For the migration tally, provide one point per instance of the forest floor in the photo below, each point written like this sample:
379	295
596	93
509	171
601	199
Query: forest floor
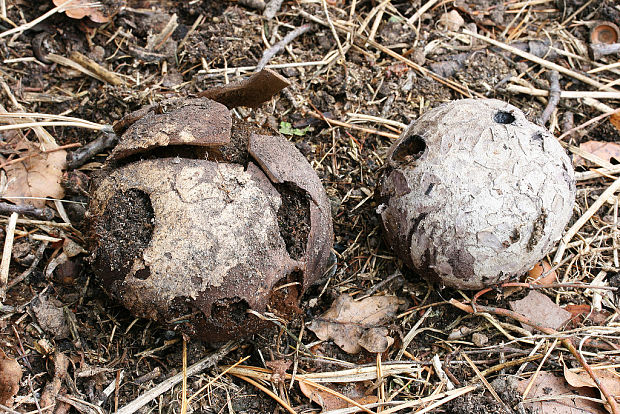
360	72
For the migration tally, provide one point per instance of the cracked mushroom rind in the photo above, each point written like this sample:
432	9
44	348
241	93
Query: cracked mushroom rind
198	243
474	193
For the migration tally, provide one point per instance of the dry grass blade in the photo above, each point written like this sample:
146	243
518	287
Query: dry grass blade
486	383
610	191
208	384
6	254
444	398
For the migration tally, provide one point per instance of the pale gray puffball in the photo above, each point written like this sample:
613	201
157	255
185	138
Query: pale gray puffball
474	193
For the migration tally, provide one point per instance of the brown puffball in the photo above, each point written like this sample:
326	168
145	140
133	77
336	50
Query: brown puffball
473	193
10	376
198	220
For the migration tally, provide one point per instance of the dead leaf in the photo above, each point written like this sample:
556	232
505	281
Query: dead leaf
540	309
84	8
615	120
583	312
376	340
10	376
608	377
604	150
547	386
279	367
535	275
38	175
328	402
50	316
347	321
451	21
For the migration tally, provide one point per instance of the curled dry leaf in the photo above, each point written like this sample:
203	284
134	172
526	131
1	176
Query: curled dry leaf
539	308
547	386
10	375
615	120
609	377
584	312
39	175
451	21
348	323
79	9
541	274
329	401
251	92
50	316
607	151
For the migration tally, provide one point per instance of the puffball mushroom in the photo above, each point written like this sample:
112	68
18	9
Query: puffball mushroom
201	221
473	193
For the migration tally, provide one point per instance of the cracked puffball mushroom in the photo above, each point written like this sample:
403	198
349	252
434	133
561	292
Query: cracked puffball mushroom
473	193
200	221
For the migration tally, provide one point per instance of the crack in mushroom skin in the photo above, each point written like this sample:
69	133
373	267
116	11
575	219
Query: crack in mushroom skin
214	244
501	192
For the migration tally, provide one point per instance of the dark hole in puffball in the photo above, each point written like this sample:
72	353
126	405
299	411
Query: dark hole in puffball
125	231
143	274
410	149
503	117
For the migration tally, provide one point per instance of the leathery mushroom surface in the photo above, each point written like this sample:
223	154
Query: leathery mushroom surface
474	193
200	220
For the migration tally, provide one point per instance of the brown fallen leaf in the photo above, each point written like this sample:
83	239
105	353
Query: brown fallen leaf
581	313
609	377
50	316
79	9
539	308
615	120
10	376
347	322
604	150
279	367
329	401
567	399
38	175
535	275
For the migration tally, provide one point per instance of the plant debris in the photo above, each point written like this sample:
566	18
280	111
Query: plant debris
538	307
10	376
354	325
35	176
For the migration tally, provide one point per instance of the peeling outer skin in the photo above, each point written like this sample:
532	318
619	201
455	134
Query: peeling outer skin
240	255
198	122
474	193
283	163
251	92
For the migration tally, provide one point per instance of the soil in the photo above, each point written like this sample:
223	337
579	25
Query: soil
294	219
212	44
